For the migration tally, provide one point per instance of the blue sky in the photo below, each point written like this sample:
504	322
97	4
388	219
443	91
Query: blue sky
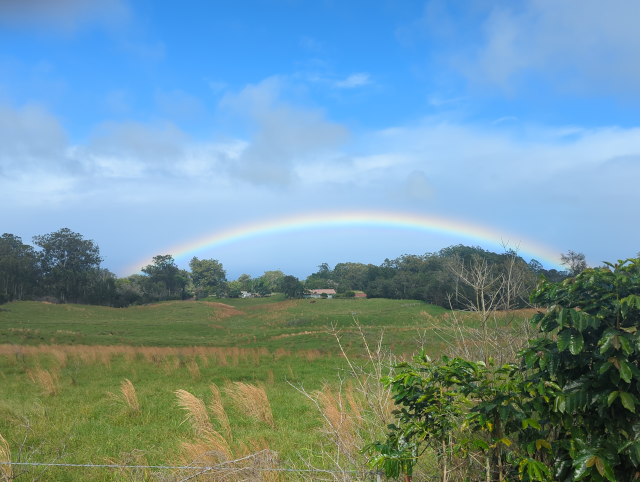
143	124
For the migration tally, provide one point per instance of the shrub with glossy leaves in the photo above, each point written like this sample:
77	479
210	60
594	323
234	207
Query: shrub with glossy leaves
589	374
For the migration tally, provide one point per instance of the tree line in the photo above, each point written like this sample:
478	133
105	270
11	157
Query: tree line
436	278
64	267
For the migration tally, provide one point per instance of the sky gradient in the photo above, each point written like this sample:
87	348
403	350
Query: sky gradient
149	125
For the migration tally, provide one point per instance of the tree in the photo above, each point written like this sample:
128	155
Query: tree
245	282
576	263
66	260
234	289
292	287
273	279
207	274
18	268
164	275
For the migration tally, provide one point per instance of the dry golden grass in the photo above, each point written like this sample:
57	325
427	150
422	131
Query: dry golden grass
270	377
211	449
217	408
6	472
47	380
337	418
128	397
252	400
193	368
90	354
196	412
105	358
60	356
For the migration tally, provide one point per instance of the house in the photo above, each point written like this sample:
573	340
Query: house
361	295
318	293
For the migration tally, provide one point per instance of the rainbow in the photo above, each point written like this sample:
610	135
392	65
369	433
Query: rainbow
388	220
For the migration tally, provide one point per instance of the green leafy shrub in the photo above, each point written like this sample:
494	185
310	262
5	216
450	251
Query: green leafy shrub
592	371
567	412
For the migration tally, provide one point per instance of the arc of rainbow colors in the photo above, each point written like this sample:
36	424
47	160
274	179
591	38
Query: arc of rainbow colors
367	219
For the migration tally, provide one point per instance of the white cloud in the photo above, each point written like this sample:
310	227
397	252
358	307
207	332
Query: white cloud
285	137
62	14
558	177
29	135
354	80
579	44
417	187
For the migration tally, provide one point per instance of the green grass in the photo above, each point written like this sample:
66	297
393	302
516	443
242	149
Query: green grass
264	322
95	428
291	335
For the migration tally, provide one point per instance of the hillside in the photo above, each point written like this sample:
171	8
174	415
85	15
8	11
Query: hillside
253	323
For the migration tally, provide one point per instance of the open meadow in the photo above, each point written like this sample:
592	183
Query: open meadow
271	323
161	384
65	373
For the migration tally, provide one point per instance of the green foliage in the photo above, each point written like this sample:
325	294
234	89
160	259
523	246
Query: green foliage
567	412
18	268
425	277
67	260
591	371
292	287
164	277
207	274
429	413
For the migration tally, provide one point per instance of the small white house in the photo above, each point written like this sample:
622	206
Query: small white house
318	293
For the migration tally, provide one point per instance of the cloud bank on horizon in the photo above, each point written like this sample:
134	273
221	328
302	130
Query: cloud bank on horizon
143	127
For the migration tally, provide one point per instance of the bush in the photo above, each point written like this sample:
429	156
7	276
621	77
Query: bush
568	408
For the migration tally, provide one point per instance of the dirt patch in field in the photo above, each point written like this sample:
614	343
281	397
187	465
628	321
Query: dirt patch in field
223	311
287	335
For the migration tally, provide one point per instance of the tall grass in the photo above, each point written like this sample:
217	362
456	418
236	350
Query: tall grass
217	408
252	400
6	472
128	397
214	455
48	381
192	366
196	412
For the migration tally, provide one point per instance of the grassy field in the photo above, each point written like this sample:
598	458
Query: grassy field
77	410
59	364
255	322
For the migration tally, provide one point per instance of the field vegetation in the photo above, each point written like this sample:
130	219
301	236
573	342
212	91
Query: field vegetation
270	323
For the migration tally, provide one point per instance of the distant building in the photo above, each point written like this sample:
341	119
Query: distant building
361	295
318	293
